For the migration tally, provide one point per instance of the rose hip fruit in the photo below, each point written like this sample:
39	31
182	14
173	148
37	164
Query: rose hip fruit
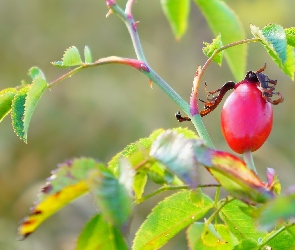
246	117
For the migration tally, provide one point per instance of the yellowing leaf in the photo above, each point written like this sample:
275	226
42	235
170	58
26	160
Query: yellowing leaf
49	206
66	184
233	174
183	156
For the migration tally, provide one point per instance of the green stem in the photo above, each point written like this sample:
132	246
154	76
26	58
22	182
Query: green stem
217	194
170	188
200	72
248	158
213	215
210	59
276	233
131	26
201	129
102	61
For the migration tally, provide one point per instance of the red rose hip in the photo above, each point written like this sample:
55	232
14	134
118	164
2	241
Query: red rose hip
246	117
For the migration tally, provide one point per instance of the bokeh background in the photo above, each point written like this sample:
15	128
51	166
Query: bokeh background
100	110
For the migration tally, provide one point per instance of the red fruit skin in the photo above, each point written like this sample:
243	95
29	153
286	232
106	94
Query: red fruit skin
246	118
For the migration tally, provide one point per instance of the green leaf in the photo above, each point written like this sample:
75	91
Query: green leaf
35	72
109	237
200	238
177	13
127	174
290	35
33	96
233	175
246	245
87	55
194	233
111	197
210	48
176	152
138	155
168	218
238	222
279	209
276	36
134	152
70	58
139	183
274	39
283	238
138	152
290	62
18	110
66	184
25	101
57	64
6	98
222	20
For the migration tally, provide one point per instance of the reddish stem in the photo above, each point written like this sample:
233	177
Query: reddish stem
110	3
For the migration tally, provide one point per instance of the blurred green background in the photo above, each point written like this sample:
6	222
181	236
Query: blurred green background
100	110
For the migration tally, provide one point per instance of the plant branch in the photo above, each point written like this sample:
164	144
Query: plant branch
139	65
213	215
276	233
200	72
169	188
152	75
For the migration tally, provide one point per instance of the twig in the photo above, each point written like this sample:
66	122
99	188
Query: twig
169	188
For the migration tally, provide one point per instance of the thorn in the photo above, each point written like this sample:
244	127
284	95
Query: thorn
134	25
109	13
151	84
144	67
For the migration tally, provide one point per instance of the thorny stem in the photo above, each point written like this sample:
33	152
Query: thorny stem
248	158
142	65
102	61
169	188
132	28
